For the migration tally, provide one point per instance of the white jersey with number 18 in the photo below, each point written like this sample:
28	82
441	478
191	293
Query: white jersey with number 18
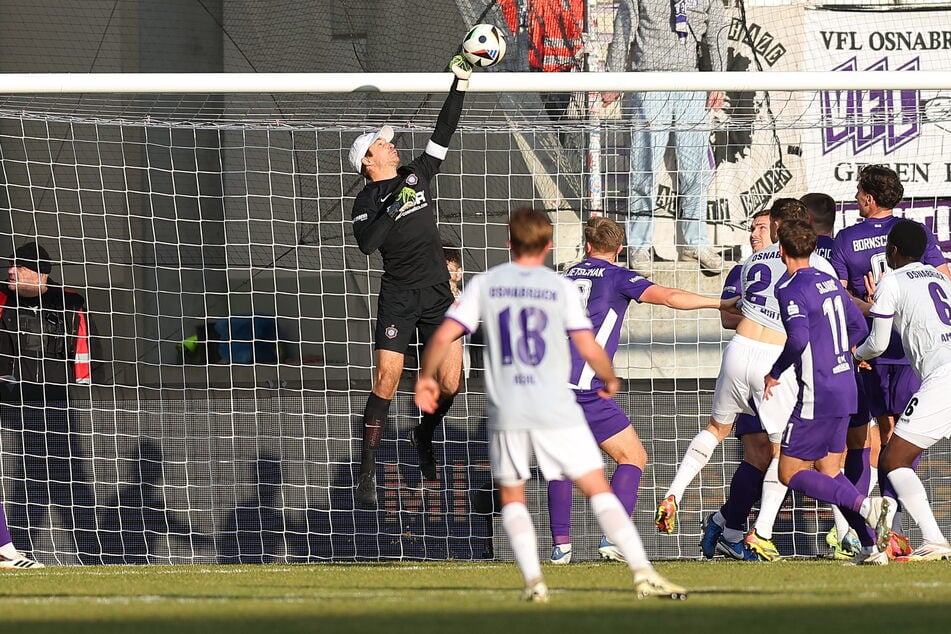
526	313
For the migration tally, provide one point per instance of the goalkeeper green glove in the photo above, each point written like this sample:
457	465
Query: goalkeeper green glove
462	69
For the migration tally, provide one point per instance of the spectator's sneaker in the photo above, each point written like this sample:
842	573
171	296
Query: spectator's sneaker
561	554
666	517
735	550
424	450
607	550
649	583
876	558
898	546
640	258
928	551
536	592
711	533
880	516
365	494
709	259
19	563
763	548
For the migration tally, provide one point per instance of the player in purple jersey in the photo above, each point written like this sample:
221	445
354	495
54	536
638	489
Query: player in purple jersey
822	326
528	313
607	289
914	300
859	251
822	210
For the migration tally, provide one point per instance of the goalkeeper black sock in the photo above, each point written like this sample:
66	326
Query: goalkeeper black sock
374	418
429	422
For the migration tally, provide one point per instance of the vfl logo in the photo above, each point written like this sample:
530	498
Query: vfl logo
391	331
412	179
869	117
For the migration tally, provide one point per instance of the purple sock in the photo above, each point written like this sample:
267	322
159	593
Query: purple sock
559	511
867	536
745	488
839	490
857	468
4	531
626	479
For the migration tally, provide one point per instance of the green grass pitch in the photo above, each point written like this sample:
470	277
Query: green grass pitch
447	597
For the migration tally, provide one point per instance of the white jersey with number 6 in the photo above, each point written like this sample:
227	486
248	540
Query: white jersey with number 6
918	298
526	313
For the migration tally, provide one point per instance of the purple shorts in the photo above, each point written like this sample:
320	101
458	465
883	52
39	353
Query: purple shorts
812	439
605	417
747	424
886	389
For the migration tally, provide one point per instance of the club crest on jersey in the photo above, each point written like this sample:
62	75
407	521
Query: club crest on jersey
412	179
391	331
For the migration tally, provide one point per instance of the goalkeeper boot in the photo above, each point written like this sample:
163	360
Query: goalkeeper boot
535	592
649	583
838	549
608	550
928	551
666	517
560	554
763	548
365	495
19	563
711	533
424	450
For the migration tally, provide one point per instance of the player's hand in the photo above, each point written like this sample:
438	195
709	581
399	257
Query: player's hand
731	306
427	394
871	282
460	67
770	383
611	387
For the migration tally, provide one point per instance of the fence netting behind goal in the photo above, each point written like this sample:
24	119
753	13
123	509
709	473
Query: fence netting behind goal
232	312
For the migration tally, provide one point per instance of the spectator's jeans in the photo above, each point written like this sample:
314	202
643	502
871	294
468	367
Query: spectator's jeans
680	118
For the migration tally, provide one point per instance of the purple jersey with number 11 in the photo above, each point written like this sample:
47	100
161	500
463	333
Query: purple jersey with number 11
606	290
822	324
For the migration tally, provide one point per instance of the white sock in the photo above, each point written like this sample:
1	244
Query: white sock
913	495
697	456
517	524
841	524
7	551
619	530
771	500
872	481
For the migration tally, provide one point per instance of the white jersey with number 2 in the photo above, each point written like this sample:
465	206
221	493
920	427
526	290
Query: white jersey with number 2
526	313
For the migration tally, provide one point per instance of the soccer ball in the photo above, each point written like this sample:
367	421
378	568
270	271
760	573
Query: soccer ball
484	45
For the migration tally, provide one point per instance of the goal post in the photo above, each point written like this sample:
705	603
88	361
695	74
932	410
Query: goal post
206	220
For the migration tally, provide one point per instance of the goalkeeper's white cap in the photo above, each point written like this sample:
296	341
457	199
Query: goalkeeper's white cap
363	142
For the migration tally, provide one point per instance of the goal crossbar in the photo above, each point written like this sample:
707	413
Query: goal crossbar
222	83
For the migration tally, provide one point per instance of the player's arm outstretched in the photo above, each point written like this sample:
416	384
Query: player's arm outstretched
679	299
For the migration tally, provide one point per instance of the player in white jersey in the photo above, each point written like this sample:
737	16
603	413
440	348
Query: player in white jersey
526	310
747	358
915	299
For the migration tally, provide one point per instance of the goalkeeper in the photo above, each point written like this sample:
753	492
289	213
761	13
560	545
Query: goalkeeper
396	214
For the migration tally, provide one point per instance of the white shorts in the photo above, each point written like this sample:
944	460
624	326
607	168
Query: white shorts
740	386
927	419
561	452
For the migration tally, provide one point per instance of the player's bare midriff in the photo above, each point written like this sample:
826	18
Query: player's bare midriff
758	332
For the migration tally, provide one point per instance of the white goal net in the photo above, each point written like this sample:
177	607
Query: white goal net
232	312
